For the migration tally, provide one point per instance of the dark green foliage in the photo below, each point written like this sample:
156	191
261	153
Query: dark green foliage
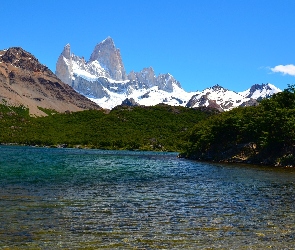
161	127
13	122
261	134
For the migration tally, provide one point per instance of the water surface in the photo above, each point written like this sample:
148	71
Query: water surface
94	199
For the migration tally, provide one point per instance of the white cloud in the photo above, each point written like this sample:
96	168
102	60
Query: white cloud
285	69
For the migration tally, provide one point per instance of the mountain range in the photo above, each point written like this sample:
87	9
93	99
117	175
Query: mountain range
101	82
103	79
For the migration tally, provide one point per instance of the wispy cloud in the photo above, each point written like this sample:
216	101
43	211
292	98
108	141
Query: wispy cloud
285	69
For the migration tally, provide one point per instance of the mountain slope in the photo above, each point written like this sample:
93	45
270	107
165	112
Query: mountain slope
25	81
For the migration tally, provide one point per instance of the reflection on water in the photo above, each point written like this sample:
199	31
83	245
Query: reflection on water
67	198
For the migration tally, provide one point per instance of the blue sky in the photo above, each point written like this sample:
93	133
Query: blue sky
233	43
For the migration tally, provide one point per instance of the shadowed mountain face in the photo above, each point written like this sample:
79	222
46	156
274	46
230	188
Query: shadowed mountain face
25	81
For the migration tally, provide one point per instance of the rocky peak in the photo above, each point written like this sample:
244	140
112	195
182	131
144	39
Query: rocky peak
109	57
129	102
107	46
146	76
20	58
67	51
149	79
217	87
259	87
166	82
148	72
259	91
64	66
132	76
203	100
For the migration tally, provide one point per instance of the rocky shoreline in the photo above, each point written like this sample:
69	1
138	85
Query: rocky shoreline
246	153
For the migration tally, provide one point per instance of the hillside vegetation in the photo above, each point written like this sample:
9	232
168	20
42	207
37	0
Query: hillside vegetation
262	134
160	127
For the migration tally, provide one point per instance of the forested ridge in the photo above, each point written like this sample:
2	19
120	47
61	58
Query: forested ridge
264	134
160	127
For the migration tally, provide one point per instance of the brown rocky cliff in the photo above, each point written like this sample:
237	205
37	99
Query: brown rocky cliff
25	81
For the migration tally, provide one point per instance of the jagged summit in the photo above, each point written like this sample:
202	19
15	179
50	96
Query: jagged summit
64	67
147	77
20	58
100	48
109	57
107	44
258	91
217	87
267	87
108	40
105	61
67	51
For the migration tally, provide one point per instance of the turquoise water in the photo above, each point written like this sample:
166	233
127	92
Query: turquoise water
94	199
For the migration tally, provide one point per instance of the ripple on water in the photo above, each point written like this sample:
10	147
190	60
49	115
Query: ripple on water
68	198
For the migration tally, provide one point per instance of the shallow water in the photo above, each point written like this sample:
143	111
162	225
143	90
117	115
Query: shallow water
94	199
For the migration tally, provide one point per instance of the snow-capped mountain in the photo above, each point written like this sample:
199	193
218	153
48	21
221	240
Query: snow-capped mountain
220	98
259	91
103	80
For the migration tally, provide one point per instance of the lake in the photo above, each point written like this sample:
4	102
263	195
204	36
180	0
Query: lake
94	199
